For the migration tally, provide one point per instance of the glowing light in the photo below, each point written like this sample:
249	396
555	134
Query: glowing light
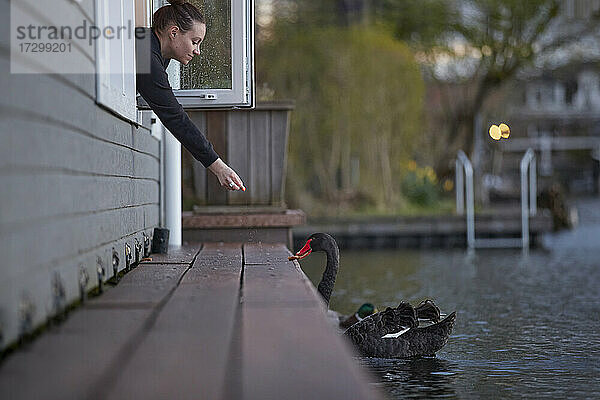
504	131
495	132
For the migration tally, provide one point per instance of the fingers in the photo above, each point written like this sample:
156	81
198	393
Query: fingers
233	182
226	176
231	185
237	181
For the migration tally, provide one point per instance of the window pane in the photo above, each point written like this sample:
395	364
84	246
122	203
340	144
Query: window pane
212	68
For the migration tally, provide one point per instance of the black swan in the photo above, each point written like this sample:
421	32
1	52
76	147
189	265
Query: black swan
392	333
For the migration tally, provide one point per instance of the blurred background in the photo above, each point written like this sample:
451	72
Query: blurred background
387	91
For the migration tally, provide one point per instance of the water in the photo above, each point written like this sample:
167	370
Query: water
527	326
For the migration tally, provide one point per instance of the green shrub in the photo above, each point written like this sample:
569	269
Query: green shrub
420	185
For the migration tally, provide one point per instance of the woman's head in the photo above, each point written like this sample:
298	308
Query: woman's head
181	27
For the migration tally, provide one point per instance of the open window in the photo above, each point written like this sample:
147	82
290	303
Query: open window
115	56
223	75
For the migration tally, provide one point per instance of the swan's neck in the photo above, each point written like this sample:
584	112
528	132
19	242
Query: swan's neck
328	280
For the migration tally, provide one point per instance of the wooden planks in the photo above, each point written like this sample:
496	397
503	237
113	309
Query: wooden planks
244	218
81	357
67	362
144	287
270	280
70	235
260	157
303	361
36	145
199	172
288	349
176	255
185	354
238	152
280	129
78	195
216	133
172	330
254	143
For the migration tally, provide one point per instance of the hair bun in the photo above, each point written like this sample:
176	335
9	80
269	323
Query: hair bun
181	13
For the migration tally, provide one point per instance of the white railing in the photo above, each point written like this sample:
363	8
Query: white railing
528	201
463	164
528	207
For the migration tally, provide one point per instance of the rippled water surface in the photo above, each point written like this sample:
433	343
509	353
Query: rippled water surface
527	326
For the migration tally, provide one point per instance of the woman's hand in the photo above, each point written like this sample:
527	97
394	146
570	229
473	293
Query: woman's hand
226	176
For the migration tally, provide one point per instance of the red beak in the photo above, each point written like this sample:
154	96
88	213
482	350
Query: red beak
304	251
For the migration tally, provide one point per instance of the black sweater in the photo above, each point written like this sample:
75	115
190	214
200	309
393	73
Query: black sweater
154	87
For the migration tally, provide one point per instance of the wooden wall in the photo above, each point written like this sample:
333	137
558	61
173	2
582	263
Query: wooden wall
77	182
254	144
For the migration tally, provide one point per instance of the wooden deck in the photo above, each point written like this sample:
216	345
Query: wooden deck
219	321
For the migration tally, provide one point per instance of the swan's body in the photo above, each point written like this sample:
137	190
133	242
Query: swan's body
395	336
392	333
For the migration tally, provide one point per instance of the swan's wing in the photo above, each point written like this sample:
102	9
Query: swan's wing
410	343
428	340
382	323
428	310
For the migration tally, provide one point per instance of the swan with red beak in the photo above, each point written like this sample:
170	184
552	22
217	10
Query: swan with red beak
392	333
303	252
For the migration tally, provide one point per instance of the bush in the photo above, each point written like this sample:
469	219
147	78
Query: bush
420	185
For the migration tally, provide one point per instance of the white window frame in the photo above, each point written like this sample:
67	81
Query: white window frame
145	12
242	92
115	59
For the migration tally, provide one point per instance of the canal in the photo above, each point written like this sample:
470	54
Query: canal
527	326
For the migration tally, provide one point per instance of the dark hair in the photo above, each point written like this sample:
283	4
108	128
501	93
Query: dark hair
180	13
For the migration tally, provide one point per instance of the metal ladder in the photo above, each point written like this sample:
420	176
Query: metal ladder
528	202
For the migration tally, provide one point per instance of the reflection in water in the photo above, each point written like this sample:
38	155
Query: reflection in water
527	326
420	377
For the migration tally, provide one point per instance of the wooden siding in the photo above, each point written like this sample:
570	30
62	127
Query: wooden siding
78	182
254	144
65	13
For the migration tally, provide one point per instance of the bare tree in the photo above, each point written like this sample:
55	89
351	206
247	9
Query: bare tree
481	45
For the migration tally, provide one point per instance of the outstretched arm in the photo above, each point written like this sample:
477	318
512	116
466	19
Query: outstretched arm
156	90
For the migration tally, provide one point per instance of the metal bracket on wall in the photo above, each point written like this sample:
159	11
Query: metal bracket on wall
100	273
115	265
84	279
138	250
58	295
146	245
26	311
128	257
